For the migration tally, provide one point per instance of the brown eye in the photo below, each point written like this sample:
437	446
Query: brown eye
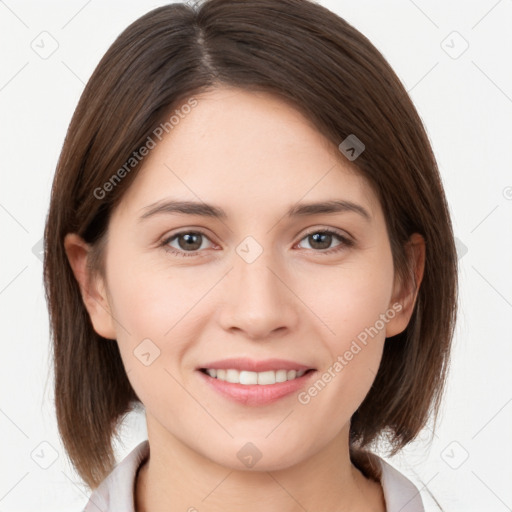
320	240
188	242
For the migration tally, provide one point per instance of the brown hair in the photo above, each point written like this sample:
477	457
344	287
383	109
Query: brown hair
332	73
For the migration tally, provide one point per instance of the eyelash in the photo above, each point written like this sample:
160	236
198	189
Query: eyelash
345	242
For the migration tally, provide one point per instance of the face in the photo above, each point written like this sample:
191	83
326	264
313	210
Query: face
237	276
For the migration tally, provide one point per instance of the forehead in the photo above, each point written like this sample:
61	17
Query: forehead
249	151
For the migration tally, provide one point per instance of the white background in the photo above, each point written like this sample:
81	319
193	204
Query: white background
465	101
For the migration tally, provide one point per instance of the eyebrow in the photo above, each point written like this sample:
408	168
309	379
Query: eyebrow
208	210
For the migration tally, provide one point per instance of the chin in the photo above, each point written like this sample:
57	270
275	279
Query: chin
260	456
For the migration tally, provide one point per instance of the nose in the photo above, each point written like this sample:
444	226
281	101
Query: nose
259	299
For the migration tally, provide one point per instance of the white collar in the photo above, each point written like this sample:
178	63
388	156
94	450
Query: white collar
400	494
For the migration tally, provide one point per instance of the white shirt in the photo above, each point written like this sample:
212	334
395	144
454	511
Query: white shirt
116	492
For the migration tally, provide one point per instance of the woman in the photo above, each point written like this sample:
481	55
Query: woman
247	235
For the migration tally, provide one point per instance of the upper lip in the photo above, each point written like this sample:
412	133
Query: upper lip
251	365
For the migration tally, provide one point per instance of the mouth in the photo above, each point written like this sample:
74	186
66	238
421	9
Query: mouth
255	383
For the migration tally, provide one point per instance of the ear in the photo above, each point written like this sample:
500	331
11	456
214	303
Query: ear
405	293
92	288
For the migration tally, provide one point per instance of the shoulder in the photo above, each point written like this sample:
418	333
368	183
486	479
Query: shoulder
116	491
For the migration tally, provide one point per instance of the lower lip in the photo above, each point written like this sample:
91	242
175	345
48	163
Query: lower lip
255	394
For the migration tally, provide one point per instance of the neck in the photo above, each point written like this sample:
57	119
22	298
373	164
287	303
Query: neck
176	478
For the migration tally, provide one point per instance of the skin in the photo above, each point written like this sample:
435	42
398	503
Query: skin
253	155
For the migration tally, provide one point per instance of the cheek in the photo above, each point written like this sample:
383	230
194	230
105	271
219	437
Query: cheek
353	300
153	331
354	355
151	311
151	301
356	309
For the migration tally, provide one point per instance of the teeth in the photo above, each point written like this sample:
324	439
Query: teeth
248	378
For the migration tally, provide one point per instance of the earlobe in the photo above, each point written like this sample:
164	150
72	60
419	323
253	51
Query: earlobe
92	287
405	292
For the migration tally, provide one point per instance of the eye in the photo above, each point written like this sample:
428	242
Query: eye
188	242
322	238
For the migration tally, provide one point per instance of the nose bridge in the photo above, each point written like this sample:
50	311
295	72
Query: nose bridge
257	302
